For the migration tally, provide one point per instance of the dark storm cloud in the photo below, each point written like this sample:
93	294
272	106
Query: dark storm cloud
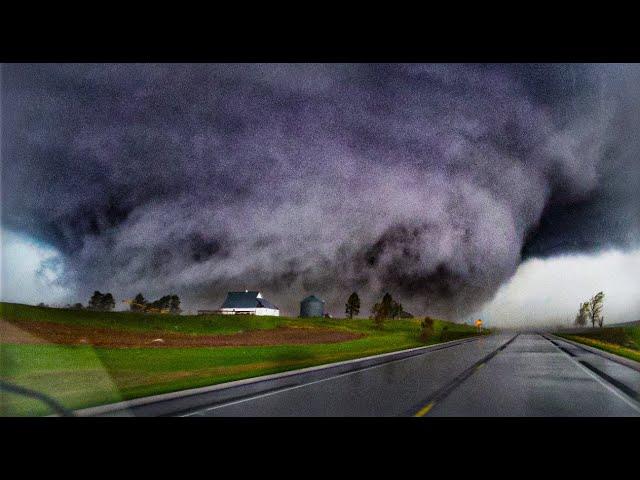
429	181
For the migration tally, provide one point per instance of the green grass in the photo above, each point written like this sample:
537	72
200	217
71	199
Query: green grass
623	341
83	376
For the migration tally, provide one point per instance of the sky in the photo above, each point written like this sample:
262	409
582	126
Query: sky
29	271
544	292
463	190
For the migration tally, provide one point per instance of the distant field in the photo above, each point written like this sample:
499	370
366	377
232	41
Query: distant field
624	341
83	358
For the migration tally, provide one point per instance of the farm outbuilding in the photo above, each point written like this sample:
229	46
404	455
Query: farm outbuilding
312	306
245	303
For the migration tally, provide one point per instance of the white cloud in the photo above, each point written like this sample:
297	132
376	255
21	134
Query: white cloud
548	291
29	271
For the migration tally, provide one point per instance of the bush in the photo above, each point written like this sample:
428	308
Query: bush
444	334
426	329
378	321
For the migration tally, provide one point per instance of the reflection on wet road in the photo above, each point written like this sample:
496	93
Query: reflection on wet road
533	377
499	375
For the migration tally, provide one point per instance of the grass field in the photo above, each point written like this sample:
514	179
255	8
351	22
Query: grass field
623	341
80	375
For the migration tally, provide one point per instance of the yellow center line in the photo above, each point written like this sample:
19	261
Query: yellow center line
423	411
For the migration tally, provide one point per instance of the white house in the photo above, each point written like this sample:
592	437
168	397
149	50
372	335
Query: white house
247	303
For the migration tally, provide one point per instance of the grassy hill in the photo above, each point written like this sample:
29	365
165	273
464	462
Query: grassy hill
622	340
83	358
195	324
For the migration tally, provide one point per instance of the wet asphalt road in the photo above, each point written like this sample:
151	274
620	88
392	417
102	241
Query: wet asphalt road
500	375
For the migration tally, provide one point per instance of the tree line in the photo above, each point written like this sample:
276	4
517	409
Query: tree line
382	310
166	304
104	302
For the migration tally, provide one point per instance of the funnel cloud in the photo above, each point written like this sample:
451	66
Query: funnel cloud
432	182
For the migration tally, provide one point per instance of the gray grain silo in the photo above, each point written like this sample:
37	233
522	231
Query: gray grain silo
312	306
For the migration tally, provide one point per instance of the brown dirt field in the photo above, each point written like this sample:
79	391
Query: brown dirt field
47	332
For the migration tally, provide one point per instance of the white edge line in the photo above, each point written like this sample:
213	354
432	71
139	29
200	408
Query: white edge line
124	405
268	394
286	389
629	401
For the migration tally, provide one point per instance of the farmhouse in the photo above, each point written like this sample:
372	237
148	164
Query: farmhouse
246	303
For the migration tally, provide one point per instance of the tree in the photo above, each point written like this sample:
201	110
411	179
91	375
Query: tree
108	303
353	305
174	304
378	317
165	304
95	302
387	308
396	309
77	306
102	302
583	314
161	304
139	303
595	309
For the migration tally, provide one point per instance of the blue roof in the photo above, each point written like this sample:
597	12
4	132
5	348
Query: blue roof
246	300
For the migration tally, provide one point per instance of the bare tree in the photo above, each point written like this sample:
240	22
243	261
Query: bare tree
595	309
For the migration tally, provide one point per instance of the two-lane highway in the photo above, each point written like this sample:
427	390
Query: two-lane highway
389	389
508	374
499	375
